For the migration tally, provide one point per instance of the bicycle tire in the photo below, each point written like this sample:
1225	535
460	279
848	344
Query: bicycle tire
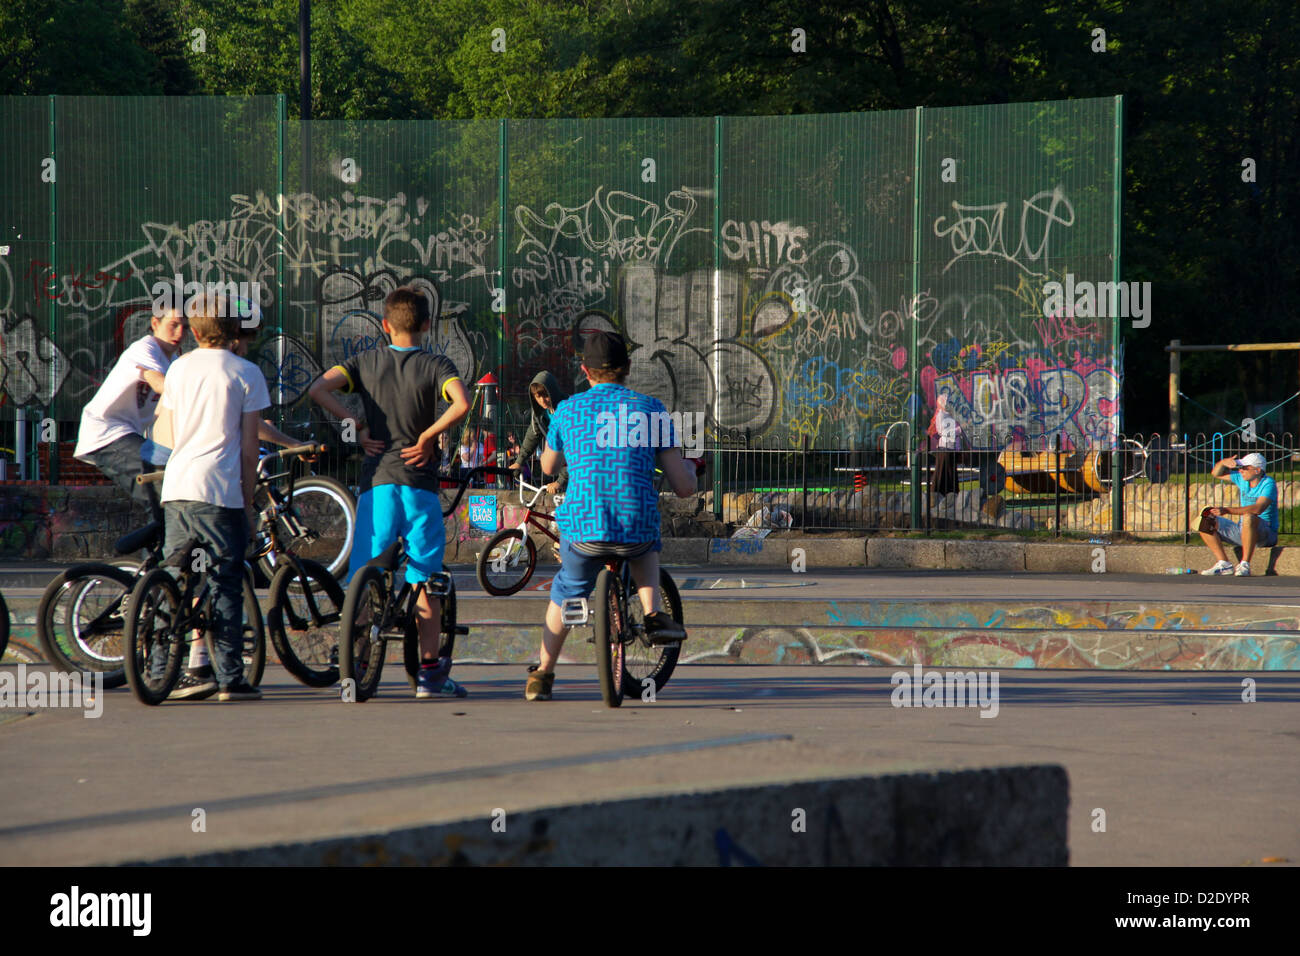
643	660
508	581
327	507
154	599
94	642
608	627
361	651
411	640
308	650
4	626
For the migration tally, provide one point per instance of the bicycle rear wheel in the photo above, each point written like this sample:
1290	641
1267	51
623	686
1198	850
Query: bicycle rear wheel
306	640
643	661
361	641
506	562
608	625
152	644
4	626
326	508
80	620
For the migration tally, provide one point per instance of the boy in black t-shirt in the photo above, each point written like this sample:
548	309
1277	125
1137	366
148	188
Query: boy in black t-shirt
401	387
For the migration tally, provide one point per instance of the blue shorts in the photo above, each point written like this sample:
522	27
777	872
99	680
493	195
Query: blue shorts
577	574
1230	531
388	512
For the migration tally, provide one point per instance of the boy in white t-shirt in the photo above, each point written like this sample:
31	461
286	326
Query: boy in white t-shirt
114	422
216	400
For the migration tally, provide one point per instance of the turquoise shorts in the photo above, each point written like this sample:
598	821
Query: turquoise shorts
388	512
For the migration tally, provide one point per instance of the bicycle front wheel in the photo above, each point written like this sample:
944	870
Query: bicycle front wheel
152	642
507	562
80	620
609	623
361	640
645	664
326	508
304	622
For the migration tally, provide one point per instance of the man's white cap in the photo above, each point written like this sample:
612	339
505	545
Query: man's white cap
1254	460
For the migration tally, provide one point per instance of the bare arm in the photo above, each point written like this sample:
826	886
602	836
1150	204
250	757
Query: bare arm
680	474
162	428
1222	467
248	426
153	379
268	432
321	393
552	460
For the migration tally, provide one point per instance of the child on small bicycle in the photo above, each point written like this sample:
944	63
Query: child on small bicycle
401	387
610	497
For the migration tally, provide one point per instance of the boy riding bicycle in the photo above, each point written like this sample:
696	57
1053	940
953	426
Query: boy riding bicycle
400	387
610	499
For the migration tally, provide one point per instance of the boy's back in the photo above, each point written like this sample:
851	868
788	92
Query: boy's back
208	392
401	390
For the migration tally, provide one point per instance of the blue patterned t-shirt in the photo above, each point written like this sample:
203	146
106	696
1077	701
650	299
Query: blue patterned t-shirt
611	462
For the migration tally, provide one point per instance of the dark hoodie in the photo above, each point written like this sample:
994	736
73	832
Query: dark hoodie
535	439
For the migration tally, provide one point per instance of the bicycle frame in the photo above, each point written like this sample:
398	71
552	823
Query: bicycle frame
532	516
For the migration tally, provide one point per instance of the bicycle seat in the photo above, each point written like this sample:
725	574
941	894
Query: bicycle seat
390	559
184	554
145	537
612	549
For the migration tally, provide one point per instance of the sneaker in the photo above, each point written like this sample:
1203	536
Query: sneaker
1243	570
240	690
432	681
539	684
1221	567
662	629
196	683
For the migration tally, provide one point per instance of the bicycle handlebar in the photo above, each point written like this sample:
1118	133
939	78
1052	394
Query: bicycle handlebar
150	478
311	448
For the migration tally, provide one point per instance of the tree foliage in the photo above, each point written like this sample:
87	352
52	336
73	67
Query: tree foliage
1206	85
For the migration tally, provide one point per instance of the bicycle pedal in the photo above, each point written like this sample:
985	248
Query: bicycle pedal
439	584
574	612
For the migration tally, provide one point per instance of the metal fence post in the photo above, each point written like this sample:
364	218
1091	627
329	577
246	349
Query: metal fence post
804	481
1187	490
1058	484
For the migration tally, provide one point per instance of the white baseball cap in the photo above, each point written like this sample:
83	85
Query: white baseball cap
1253	460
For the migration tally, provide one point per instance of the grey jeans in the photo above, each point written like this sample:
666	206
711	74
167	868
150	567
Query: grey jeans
223	533
120	462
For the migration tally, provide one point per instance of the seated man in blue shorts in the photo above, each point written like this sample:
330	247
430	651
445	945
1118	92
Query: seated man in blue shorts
1258	511
610	497
400	387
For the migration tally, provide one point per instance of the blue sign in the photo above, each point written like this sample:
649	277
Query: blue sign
483	513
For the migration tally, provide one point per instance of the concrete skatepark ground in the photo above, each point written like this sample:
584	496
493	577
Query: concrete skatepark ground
1186	772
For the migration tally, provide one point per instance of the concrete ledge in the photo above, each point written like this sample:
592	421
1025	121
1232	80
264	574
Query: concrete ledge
904	553
1060	558
754	552
1003	816
984	555
684	551
828	552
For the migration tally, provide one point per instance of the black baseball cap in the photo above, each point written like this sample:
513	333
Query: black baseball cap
604	350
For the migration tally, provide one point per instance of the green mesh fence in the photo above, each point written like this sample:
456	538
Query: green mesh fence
809	279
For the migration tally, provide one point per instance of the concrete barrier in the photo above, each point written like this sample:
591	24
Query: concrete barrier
1002	816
